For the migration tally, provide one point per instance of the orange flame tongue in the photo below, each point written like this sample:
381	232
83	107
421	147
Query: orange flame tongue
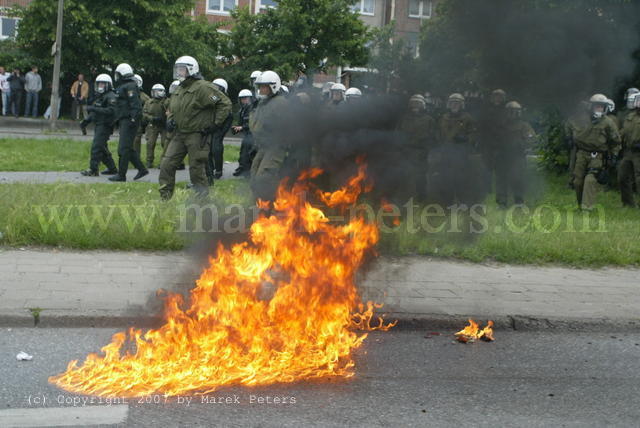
473	332
232	333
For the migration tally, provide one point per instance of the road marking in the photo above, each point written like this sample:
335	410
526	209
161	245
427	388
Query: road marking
64	416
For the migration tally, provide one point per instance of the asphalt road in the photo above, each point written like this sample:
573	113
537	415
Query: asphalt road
402	379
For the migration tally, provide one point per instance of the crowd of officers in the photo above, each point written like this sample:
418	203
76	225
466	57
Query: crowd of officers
452	152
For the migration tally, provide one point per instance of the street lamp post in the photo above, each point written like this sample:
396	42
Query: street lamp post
57	52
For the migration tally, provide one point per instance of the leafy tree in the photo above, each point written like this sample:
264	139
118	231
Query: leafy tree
296	36
97	36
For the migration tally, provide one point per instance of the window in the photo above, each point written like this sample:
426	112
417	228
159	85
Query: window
267	3
364	7
220	6
420	8
8	27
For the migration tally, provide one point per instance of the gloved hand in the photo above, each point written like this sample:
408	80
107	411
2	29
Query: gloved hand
83	124
171	125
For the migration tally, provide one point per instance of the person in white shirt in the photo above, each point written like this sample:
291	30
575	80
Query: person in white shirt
5	90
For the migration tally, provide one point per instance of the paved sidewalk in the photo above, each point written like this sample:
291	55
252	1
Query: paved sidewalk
76	177
95	285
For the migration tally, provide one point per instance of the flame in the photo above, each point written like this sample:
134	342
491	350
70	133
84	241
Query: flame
472	332
279	308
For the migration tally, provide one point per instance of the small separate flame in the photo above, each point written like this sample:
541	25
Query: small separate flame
472	332
281	307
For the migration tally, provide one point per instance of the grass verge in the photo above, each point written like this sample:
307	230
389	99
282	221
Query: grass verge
56	154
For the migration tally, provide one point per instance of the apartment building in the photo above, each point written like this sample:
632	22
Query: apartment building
408	15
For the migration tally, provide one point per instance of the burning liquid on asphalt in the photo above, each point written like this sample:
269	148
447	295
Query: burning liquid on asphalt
229	332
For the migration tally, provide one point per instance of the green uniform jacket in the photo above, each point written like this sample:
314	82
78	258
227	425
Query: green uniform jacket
631	130
419	130
600	135
154	111
198	106
265	120
104	108
519	135
128	105
457	128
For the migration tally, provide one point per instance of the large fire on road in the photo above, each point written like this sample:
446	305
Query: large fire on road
228	333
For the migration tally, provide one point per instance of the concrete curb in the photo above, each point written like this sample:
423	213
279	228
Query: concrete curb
429	322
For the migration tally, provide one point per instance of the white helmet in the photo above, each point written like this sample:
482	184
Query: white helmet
184	67
596	101
633	101
174	85
285	90
338	87
631	91
255	74
103	78
123	71
158	91
270	78
138	80
353	93
222	84
245	93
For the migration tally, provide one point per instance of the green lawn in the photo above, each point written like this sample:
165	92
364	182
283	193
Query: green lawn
24	154
131	216
552	230
120	216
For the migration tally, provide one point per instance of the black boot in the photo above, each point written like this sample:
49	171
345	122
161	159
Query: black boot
141	173
117	177
110	171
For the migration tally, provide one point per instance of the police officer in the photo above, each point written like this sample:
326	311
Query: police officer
337	96
215	162
491	130
453	175
128	115
353	96
252	80
630	165
511	158
247	151
264	122
326	91
101	113
196	110
144	98
154	113
596	144
418	131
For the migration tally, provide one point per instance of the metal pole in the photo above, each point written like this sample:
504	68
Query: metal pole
55	85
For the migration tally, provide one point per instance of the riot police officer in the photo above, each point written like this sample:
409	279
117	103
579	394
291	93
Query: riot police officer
128	114
101	113
154	113
630	165
265	121
596	145
196	110
247	151
215	162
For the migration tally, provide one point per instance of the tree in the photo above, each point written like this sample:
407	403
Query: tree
296	36
97	36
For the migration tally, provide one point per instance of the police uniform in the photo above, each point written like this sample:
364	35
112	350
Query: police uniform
102	113
154	114
247	150
418	131
128	114
511	161
137	142
196	108
630	165
265	121
593	144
